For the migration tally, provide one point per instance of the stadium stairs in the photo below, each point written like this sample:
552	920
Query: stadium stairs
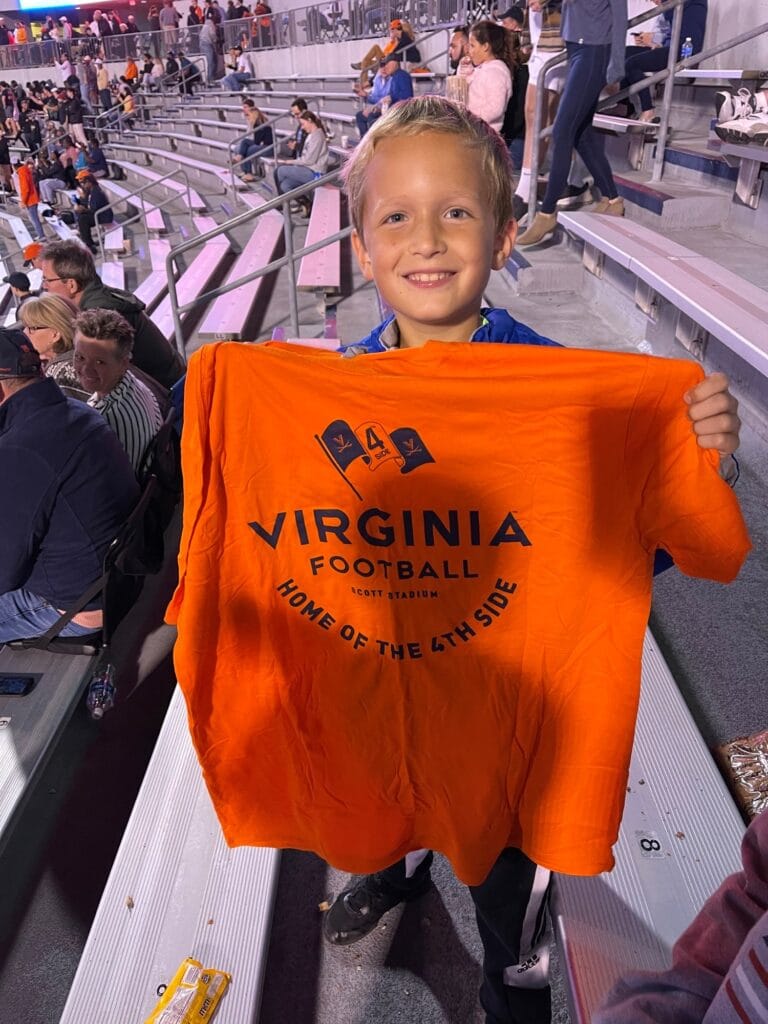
581	288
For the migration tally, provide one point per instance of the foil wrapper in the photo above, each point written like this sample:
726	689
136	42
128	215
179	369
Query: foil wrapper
745	763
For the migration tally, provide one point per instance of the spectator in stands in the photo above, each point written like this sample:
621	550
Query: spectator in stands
131	73
169	23
312	163
127	105
590	66
20	34
194	17
544	18
72	488
189	76
29	127
103	347
20	287
153	17
91	208
259	144
60	175
293	147
390	86
489	66
74	114
719	972
513	19
28	195
97	162
102	85
171	69
376	54
31	254
209	47
458	47
49	323
656	58
239	70
6	171
5	33
69	270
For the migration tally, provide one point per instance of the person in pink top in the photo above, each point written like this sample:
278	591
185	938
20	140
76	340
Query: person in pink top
488	68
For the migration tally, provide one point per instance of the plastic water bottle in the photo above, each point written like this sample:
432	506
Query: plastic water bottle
686	50
101	692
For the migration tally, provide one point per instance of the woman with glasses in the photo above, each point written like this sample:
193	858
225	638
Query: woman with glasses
49	323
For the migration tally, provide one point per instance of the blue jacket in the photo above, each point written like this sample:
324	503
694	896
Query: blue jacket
67	488
402	86
497	326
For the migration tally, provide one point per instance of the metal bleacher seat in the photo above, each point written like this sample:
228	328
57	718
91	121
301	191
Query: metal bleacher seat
231	315
202	270
708	300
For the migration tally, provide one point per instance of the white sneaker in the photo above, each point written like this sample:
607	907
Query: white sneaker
730	107
743	130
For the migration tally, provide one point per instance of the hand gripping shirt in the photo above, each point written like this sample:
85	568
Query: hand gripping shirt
414	587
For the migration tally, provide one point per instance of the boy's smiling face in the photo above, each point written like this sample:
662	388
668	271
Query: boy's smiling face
428	237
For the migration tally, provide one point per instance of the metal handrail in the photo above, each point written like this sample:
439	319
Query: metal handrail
667	75
288	260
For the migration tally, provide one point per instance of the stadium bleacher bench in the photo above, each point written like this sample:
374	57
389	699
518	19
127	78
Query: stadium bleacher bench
18	227
203	269
231	315
30	725
711	300
178	188
154	216
749	158
680	837
112	274
114	238
175	890
320	271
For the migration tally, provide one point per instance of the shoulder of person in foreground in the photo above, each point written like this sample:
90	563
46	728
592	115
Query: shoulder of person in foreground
719	972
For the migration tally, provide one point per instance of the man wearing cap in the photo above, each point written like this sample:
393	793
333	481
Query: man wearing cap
91	208
69	270
68	487
20	287
391	85
238	68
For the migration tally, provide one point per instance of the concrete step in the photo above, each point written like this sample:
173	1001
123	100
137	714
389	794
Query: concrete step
671	205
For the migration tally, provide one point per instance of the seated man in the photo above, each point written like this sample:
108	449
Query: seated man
67	486
91	208
238	70
391	85
103	347
69	270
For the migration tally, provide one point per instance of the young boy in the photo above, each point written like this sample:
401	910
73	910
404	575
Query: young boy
430	198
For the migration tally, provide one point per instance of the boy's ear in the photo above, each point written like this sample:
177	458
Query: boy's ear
363	259
504	244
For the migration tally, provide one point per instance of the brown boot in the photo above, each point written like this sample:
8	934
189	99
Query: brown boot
542	227
613	207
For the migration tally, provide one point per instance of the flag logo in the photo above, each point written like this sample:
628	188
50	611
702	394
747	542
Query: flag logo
374	446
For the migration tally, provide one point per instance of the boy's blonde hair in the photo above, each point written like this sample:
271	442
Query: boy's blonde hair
435	114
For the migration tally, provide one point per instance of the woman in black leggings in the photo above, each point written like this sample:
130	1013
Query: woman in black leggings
594	32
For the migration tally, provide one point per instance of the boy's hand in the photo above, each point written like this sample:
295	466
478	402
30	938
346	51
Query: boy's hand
712	409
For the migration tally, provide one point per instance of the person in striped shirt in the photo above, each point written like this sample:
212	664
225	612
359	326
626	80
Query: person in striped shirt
103	348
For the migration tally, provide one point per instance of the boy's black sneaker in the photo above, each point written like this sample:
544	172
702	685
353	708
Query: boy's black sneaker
357	910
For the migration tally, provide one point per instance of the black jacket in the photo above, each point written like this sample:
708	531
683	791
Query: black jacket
152	353
72	486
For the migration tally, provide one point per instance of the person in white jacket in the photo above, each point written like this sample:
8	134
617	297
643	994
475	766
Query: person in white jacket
488	69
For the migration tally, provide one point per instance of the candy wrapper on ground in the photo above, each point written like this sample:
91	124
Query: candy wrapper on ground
192	996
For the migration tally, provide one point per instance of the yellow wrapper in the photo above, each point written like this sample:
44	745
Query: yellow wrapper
192	996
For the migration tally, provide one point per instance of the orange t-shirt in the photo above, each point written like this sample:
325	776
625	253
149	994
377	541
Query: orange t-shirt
414	588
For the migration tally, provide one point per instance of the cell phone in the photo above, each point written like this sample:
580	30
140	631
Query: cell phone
17	686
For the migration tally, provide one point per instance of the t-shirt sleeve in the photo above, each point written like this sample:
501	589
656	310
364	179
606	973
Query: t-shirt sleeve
684	506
